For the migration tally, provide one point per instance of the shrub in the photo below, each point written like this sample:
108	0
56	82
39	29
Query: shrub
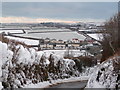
83	61
111	37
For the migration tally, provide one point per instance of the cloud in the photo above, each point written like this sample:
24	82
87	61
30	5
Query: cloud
60	0
59	10
40	20
31	20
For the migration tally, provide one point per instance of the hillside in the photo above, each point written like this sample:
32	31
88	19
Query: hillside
106	75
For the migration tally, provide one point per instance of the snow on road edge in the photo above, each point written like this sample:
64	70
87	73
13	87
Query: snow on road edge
46	84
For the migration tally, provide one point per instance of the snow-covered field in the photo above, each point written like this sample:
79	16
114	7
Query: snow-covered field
11	31
26	41
45	30
96	36
55	35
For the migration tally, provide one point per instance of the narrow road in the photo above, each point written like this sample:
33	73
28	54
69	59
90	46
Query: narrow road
71	85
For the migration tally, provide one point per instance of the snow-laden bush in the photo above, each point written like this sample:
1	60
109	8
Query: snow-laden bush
88	71
25	55
1	47
62	68
22	65
106	75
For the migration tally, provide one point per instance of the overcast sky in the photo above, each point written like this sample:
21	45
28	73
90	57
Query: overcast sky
72	11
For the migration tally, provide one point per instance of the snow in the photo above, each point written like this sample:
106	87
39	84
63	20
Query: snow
1	86
39	85
69	62
25	56
55	35
61	53
18	63
96	36
88	71
105	75
45	30
47	84
11	31
5	54
3	47
26	41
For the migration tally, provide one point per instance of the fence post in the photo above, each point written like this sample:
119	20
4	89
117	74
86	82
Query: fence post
39	48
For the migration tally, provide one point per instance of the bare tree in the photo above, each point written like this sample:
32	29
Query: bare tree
111	37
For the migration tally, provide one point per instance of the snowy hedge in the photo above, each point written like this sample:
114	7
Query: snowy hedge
22	65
